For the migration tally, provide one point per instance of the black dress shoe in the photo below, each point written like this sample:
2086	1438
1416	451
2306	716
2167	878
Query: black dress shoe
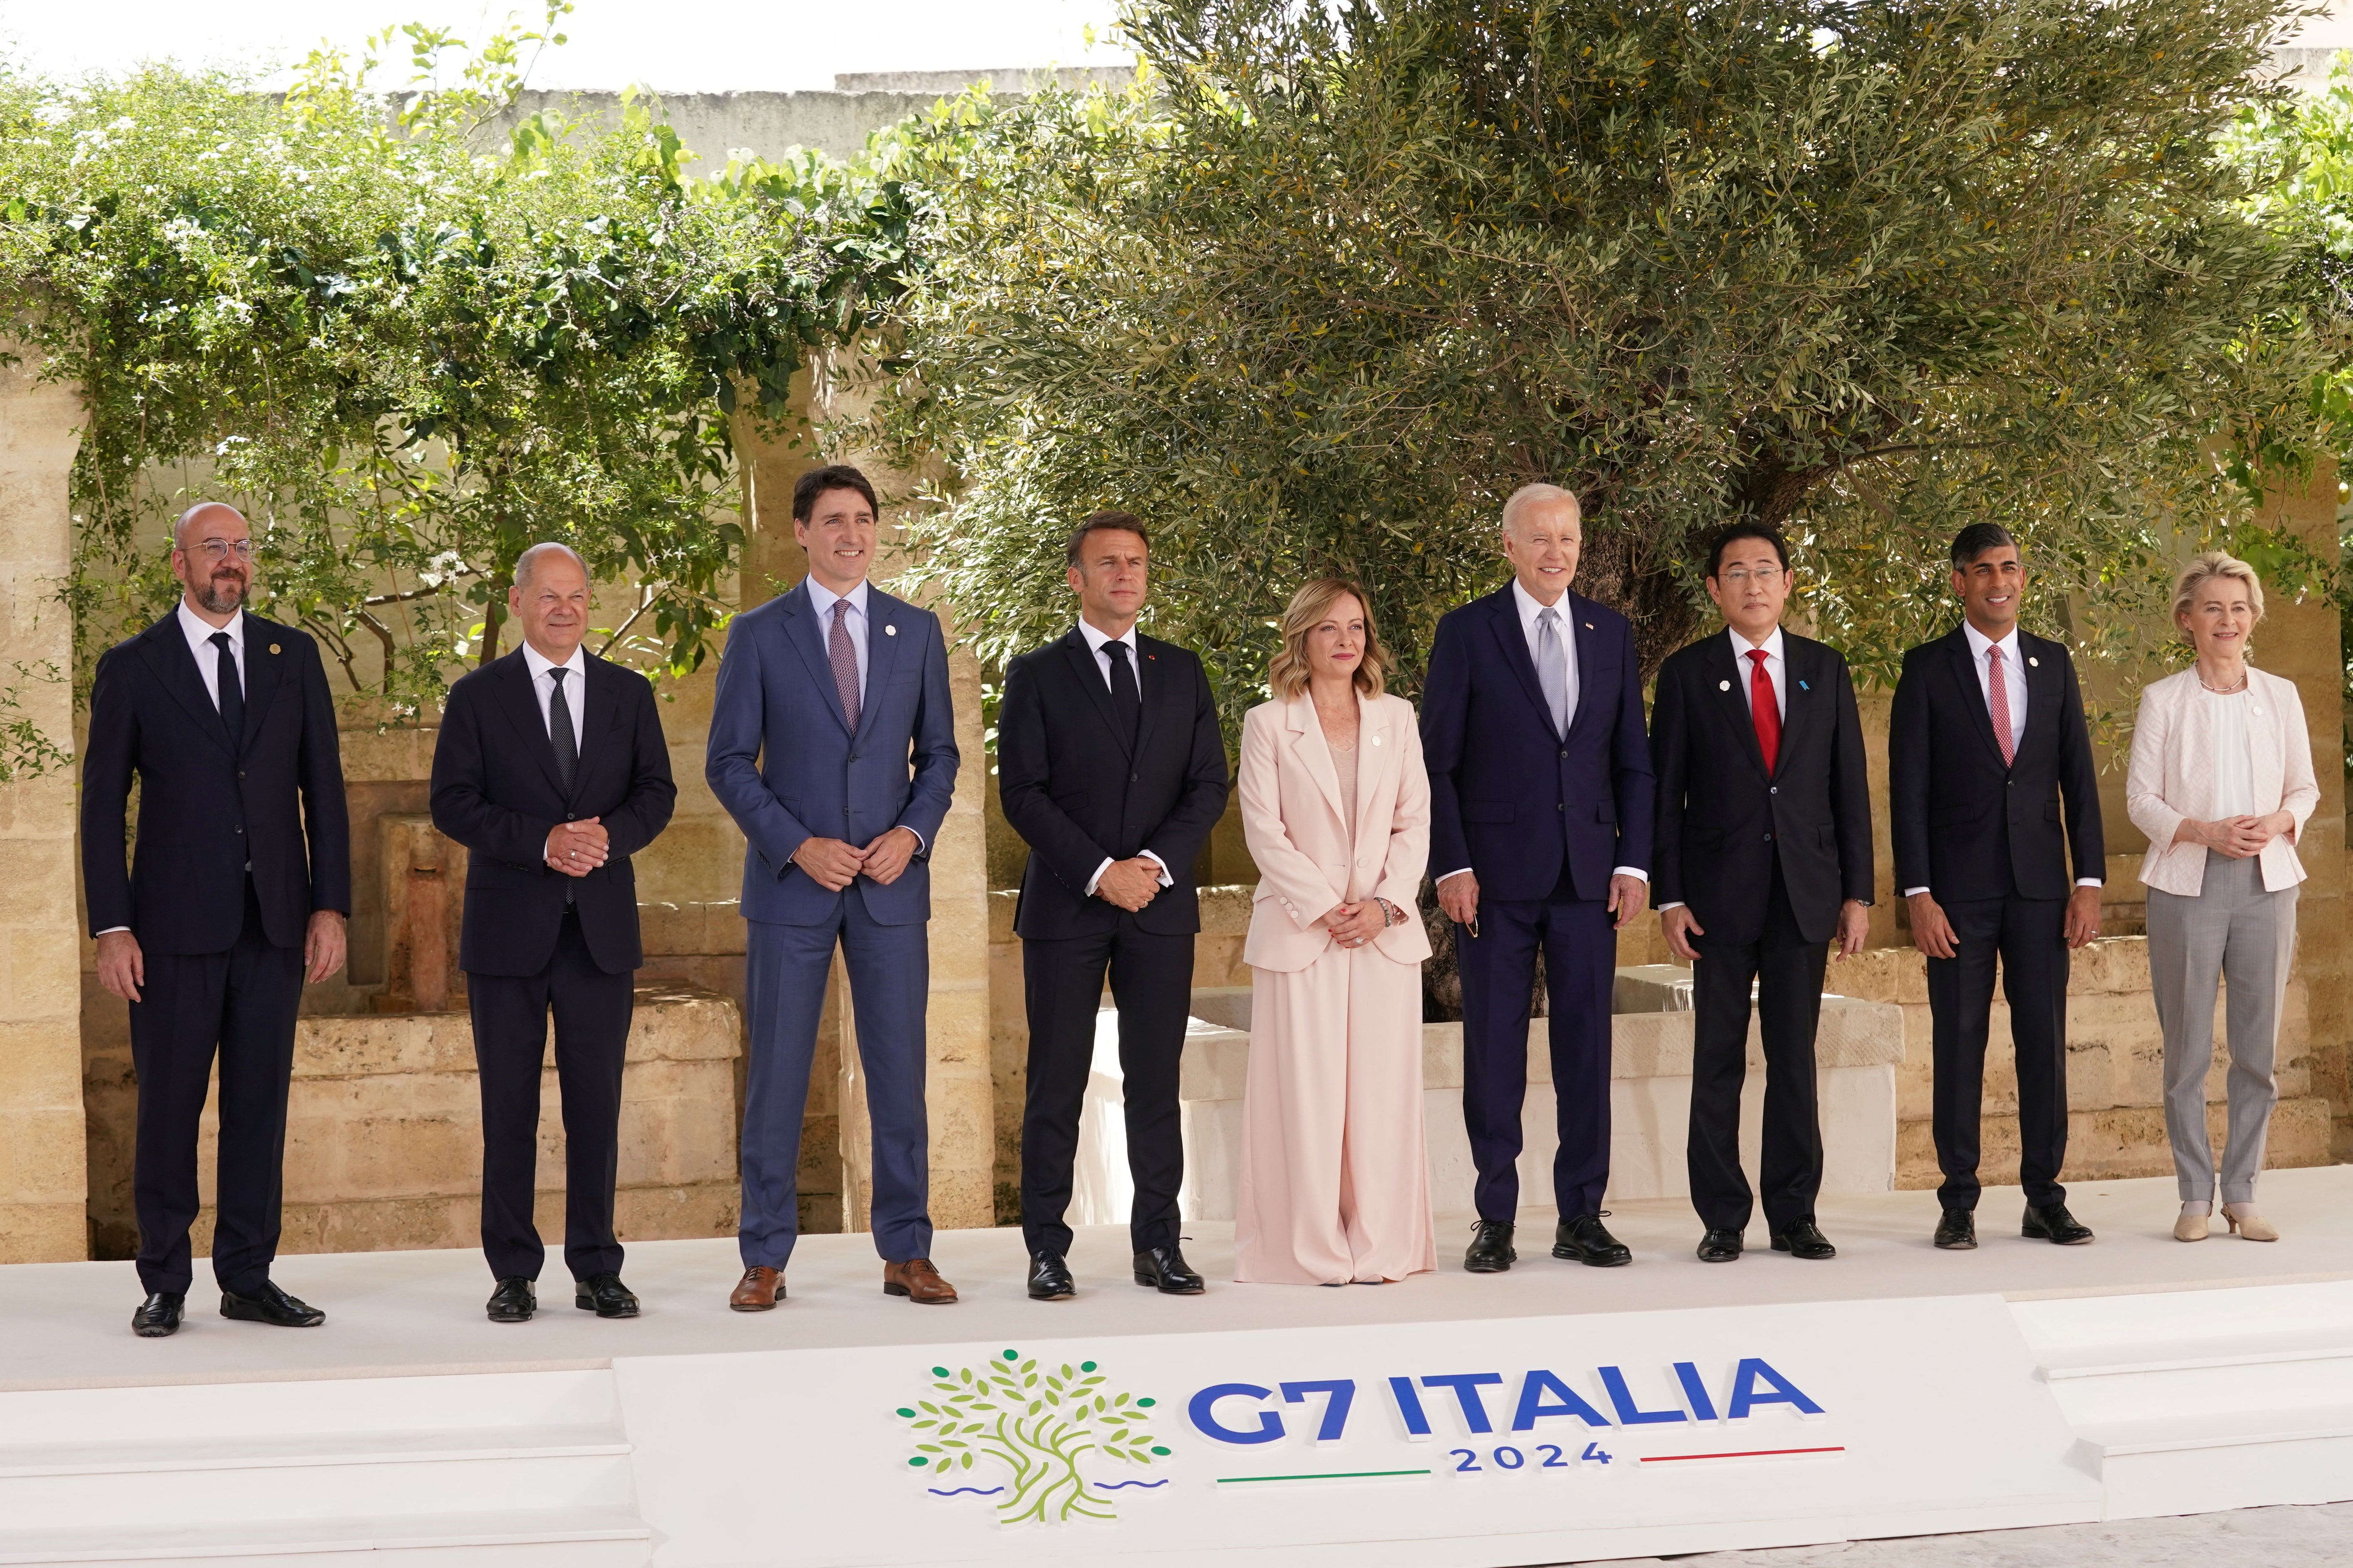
158	1316
1050	1278
272	1305
605	1295
1720	1245
1587	1240
1804	1240
1957	1231
1490	1250
513	1301
1165	1269
2051	1222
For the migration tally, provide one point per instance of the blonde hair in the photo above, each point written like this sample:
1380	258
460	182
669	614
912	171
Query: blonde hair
1286	675
1527	495
2215	563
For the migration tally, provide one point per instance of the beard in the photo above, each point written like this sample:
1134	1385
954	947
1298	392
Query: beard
222	592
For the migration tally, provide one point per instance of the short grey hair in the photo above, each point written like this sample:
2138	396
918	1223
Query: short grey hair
528	562
1527	495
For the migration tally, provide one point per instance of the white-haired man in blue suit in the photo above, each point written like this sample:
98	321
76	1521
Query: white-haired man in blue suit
833	746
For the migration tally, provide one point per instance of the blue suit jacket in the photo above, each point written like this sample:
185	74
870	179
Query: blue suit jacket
1509	798
784	763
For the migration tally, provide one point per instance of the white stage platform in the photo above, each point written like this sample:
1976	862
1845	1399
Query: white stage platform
1896	1390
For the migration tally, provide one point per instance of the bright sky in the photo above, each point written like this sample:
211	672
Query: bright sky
702	45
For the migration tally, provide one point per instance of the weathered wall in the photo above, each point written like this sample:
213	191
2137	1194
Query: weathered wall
42	1217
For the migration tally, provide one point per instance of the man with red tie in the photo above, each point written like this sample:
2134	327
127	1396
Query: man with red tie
1989	758
1763	856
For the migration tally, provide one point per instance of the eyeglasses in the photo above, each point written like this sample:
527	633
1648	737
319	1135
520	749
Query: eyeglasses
222	549
1741	576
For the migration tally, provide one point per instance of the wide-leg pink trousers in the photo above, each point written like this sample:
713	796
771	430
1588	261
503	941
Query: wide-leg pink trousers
1334	1178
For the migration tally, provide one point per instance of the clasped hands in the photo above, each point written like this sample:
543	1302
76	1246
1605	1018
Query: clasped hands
833	863
1130	884
2237	837
1353	925
577	848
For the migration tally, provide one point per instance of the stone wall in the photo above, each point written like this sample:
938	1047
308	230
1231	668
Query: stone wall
42	1217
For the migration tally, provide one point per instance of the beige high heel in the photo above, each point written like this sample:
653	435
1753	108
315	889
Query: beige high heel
2251	1225
2191	1228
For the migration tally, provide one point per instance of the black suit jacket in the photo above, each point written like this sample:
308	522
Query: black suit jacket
495	792
1079	793
208	807
1508	798
1966	826
1722	820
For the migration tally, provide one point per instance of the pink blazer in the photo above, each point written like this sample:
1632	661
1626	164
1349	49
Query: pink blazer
1291	818
2172	776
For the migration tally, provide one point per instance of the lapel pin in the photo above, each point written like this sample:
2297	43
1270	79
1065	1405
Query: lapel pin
273	648
1376	739
889	631
2036	663
1724	686
1803	687
1588	626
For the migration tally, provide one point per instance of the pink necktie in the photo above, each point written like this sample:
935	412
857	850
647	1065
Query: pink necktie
844	660
1998	699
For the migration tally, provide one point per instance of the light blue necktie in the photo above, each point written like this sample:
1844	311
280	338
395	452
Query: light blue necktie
1552	669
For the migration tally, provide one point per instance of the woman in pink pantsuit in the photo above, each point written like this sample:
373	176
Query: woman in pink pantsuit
1335	806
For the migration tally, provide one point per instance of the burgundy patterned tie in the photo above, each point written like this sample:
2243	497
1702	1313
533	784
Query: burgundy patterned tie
844	660
1998	699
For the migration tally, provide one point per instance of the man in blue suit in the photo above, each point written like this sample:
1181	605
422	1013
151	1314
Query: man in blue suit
833	746
1541	798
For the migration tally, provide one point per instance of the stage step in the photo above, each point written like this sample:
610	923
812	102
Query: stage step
2250	1459
492	1470
507	1538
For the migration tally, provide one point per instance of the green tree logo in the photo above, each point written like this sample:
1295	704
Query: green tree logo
1041	1426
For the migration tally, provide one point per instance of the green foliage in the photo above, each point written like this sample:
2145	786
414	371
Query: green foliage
1335	280
1036	1424
408	354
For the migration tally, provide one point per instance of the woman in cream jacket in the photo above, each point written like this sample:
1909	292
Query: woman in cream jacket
2222	782
1335	807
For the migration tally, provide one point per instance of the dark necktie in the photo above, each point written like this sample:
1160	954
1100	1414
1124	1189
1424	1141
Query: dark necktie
228	692
1127	701
559	730
844	657
1765	711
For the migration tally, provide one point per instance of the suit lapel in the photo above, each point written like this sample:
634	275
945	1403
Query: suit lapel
1149	686
1588	640
1090	681
884	633
264	665
804	630
167	654
511	676
1512	641
1799	676
1973	697
1724	672
1307	744
2042	692
600	716
1374	747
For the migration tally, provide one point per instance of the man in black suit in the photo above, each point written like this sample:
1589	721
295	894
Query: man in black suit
1988	755
552	771
1111	765
241	883
1764	856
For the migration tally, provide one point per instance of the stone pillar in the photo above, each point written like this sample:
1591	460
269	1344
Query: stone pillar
44	1216
2304	642
959	1093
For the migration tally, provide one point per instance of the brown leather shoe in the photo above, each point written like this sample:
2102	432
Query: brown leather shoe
918	1281
758	1292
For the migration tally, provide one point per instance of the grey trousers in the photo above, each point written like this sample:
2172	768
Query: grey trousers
2233	930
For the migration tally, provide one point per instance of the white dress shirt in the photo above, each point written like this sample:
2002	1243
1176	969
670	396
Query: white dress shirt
1530	608
1776	670
199	633
2013	687
1095	641
2232	757
543	685
822	600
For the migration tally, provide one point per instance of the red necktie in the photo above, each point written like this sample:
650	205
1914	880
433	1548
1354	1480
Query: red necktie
1998	704
1764	710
